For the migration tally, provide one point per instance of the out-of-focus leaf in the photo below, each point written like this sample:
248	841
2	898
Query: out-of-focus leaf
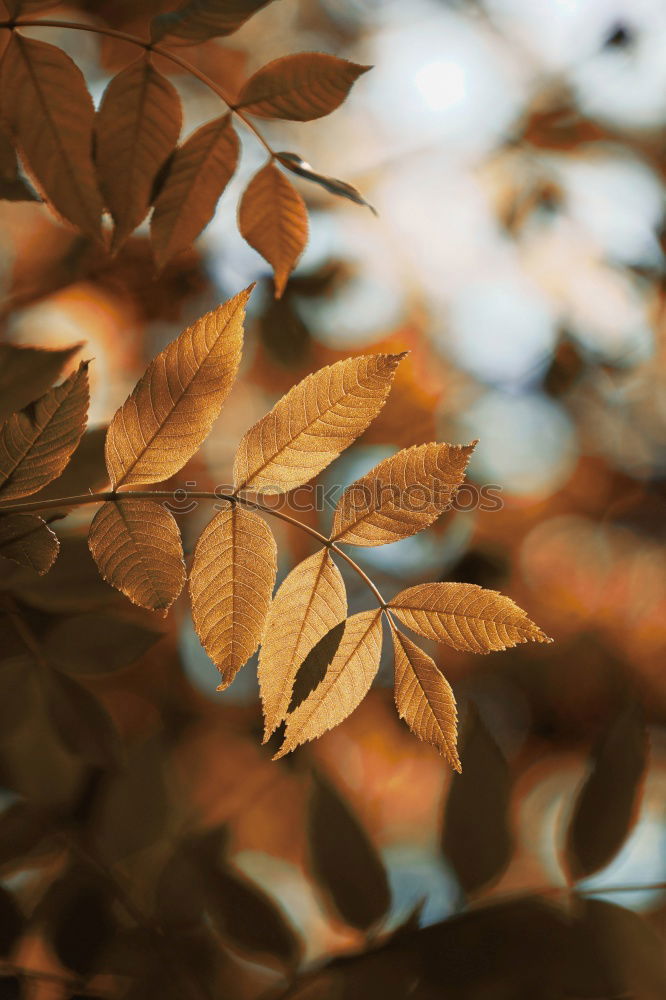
18	7
37	443
607	803
27	373
299	87
22	828
12	186
17	693
47	107
27	540
293	162
76	912
73	585
199	20
11	922
272	217
344	860
137	128
138	550
198	174
85	470
81	722
98	644
476	839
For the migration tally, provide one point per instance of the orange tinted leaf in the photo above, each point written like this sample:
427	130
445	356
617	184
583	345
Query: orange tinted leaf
308	604
172	407
27	372
299	87
201	19
231	582
401	495
47	107
136	545
273	219
313	423
293	162
465	616
346	683
29	541
36	444
137	128
424	698
198	174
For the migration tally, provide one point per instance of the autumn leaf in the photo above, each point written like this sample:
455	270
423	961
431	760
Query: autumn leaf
27	372
37	442
198	174
297	165
28	540
172	407
310	602
48	109
12	186
273	219
231	582
465	616
313	423
80	720
346	683
199	20
424	698
401	495
137	129
137	547
299	87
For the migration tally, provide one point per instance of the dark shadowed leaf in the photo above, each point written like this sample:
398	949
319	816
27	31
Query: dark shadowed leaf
28	541
23	827
299	87
476	839
201	19
27	372
81	722
11	988
12	186
293	162
11	921
85	470
77	914
17	693
344	860
313	668
607	803
98	644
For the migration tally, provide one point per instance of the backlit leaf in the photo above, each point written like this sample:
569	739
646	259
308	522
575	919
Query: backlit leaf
297	165
424	698
138	124
137	547
313	668
47	107
299	87
27	540
36	444
12	186
467	617
401	495
86	470
172	407
346	683
27	372
607	803
231	582
198	174
313	423
308	604
273	219
201	19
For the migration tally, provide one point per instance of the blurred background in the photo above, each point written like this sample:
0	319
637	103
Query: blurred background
516	155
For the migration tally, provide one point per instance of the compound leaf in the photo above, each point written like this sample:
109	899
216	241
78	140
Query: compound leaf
28	540
299	87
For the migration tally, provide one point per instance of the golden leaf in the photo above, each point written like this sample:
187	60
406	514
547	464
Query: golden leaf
344	686
424	698
47	107
310	602
37	443
273	219
199	20
402	495
138	124
197	176
231	582
313	423
27	540
299	87
27	372
465	616
137	547
172	407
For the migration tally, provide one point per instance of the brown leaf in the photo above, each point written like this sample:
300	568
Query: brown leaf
27	540
310	602
48	109
80	720
313	423
37	443
299	87
137	547
18	7
198	174
172	407
137	127
12	186
97	643
424	698
402	495
346	683
199	20
297	165
231	582
86	470
273	219
607	804
467	617
27	372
